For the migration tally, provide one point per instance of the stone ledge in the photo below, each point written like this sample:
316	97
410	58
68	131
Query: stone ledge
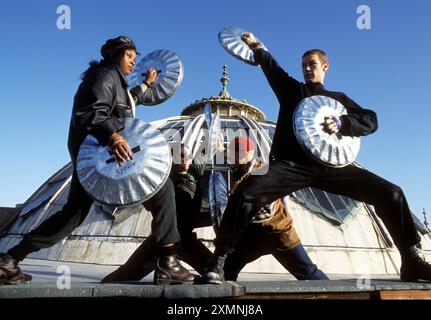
129	290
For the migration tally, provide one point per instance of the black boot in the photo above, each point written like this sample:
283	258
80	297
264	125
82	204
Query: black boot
170	271
413	266
10	273
214	274
168	268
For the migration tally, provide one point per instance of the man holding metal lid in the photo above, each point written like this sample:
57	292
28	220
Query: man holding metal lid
291	168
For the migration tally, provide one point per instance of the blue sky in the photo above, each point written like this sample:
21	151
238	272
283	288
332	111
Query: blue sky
386	68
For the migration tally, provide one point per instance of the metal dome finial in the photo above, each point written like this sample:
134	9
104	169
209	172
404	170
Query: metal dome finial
224	81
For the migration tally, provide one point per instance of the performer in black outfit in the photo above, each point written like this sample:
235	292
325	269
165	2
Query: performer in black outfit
292	169
100	105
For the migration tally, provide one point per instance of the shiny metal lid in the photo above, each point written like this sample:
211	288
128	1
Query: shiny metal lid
170	75
134	181
330	149
218	197
230	39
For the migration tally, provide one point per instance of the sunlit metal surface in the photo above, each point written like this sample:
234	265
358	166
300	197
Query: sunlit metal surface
208	115
170	75
330	149
133	181
49	190
230	39
218	197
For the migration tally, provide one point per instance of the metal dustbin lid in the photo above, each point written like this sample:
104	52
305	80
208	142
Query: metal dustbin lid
134	181
230	39
330	149
170	75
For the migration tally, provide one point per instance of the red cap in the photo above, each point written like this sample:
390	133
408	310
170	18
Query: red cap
243	143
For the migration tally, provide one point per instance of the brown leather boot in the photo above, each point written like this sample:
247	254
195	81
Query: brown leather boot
10	273
170	271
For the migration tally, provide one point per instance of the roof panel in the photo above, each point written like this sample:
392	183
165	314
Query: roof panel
339	205
45	194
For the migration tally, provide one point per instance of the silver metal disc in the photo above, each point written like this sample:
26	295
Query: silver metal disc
133	181
230	39
218	197
170	75
330	149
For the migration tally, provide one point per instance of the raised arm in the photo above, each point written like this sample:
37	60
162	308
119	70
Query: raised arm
280	81
138	92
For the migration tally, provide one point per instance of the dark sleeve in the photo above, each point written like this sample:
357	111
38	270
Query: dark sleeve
358	121
140	96
95	112
197	167
280	81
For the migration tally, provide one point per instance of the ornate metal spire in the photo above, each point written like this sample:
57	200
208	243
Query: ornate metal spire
224	104
224	81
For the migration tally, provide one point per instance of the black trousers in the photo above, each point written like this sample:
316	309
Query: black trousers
284	177
73	213
189	215
191	250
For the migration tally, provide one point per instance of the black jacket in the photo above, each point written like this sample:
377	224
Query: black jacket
99	107
290	92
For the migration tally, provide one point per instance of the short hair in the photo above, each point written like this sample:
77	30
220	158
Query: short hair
321	54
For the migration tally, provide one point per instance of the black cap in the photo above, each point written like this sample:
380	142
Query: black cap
112	47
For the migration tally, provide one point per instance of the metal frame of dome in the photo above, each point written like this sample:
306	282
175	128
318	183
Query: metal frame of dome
224	100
